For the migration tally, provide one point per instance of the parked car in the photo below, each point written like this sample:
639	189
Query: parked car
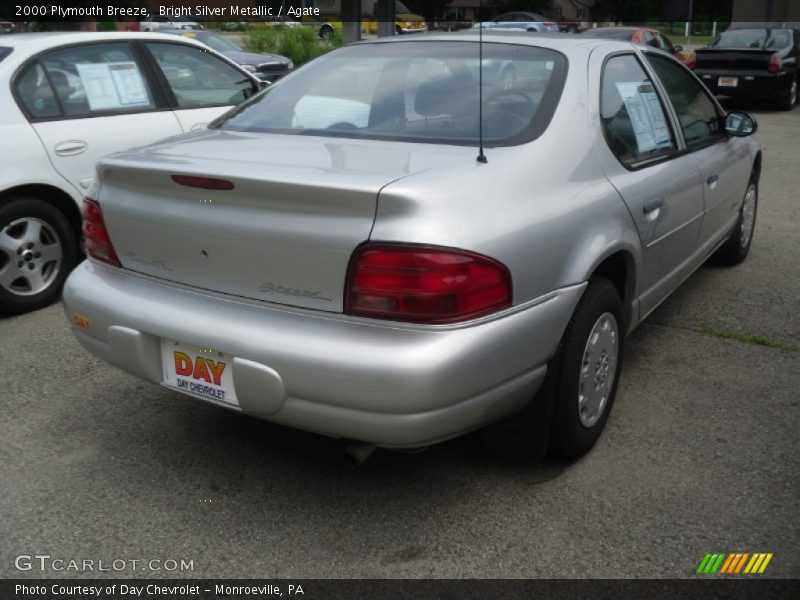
644	36
569	26
68	99
267	67
6	27
521	20
368	273
760	63
159	23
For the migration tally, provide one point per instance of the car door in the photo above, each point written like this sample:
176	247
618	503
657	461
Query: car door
200	86
723	162
86	101
641	155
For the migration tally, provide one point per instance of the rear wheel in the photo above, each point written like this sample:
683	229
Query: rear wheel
790	96
326	33
570	410
38	249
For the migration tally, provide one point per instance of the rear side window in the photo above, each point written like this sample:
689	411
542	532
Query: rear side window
634	119
4	52
696	110
198	78
96	79
33	91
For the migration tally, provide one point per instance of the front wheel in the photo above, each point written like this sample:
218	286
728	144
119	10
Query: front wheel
38	249
736	249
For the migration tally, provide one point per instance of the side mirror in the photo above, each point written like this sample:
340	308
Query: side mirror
262	85
678	48
740	124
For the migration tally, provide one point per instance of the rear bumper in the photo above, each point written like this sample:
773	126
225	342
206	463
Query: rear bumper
755	84
389	384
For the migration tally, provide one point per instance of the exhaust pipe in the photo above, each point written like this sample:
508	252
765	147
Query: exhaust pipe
359	453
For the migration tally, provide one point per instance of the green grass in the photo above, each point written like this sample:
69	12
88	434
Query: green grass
300	44
753	340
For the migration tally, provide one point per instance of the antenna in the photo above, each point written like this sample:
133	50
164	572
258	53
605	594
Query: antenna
481	156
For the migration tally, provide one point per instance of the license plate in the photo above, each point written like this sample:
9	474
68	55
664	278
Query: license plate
201	372
728	81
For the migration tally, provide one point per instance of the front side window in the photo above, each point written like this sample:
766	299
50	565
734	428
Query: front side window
94	79
414	91
197	78
34	92
633	117
696	110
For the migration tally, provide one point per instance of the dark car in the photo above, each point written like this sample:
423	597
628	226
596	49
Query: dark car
267	67
6	27
644	36
759	63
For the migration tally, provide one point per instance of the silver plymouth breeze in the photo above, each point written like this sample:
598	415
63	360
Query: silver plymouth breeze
359	251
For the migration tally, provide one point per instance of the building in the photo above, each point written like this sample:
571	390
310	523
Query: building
766	11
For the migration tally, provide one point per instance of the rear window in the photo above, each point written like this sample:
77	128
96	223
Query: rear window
4	52
413	91
611	34
758	39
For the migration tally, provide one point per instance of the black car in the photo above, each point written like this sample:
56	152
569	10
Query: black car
267	67
761	63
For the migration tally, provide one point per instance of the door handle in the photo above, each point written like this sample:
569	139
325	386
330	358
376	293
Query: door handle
653	205
70	147
712	179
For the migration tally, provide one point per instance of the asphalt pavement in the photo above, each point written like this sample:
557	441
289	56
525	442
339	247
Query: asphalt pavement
700	454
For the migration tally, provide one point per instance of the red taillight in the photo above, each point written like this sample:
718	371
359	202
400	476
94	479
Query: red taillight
774	63
424	284
206	183
691	62
96	240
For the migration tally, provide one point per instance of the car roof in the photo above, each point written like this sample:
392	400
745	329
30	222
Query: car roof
553	40
31	43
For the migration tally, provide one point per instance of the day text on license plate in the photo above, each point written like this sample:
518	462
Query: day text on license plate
728	81
201	372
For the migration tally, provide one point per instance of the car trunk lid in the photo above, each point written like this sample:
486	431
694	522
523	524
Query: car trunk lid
733	60
299	207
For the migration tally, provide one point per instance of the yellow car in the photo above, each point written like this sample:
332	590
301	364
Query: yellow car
330	18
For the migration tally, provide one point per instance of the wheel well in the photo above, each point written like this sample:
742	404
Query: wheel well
619	269
59	199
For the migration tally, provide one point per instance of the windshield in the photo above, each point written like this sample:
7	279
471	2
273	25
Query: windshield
761	39
399	7
215	42
4	52
412	91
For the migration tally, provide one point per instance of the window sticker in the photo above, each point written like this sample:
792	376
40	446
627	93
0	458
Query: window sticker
647	116
116	85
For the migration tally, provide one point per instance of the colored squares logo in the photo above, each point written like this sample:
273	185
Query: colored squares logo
734	563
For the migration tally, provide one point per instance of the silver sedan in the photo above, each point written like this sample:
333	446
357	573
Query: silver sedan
364	250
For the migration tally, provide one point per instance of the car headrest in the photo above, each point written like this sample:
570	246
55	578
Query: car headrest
446	95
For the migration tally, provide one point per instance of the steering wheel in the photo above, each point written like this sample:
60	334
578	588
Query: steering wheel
343	126
519	122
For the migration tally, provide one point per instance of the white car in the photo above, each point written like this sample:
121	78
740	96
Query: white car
69	99
159	23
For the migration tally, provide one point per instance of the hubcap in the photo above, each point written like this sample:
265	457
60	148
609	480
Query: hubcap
748	216
598	369
30	256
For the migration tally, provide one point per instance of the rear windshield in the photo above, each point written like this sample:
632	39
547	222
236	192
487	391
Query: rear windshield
4	52
758	39
412	91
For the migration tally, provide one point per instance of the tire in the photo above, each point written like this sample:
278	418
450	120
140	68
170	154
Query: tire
790	98
398	30
38	249
736	249
587	366
325	33
551	422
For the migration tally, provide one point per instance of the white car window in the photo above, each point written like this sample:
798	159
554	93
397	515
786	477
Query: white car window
96	79
35	94
198	78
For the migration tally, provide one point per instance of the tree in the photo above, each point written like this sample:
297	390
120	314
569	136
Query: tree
432	10
539	6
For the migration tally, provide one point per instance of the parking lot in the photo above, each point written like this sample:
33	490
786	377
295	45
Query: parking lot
700	454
